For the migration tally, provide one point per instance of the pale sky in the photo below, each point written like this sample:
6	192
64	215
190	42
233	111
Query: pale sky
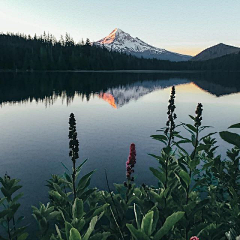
184	26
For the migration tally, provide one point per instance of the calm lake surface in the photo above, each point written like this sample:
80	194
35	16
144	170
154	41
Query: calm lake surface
112	111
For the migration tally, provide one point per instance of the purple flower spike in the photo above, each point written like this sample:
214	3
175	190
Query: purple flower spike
131	162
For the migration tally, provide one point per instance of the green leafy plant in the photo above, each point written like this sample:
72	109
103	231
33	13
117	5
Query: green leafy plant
8	210
197	196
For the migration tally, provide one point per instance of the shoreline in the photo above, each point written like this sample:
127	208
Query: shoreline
116	71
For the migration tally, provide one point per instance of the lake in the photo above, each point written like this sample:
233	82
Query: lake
112	111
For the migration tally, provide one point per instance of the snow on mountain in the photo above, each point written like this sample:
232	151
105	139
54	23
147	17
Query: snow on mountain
119	96
121	41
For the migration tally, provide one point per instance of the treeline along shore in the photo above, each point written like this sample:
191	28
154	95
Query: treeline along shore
45	52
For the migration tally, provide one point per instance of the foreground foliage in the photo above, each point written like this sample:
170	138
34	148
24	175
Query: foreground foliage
197	196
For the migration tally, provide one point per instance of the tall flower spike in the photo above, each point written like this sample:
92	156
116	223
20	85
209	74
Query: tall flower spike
73	141
131	162
74	149
171	115
198	117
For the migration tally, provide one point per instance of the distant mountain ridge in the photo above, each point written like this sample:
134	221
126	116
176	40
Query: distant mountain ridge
121	41
216	51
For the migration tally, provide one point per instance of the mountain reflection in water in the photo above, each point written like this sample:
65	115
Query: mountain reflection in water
115	88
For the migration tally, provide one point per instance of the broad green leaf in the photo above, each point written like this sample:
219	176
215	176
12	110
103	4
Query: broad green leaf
193	118
232	138
156	196
8	193
97	211
194	162
155	218
167	150
59	190
159	137
185	177
184	141
74	234
17	197
137	234
159	175
90	228
68	178
56	195
84	181
147	222
80	224
68	227
191	127
138	215
77	208
54	214
168	224
49	210
14	207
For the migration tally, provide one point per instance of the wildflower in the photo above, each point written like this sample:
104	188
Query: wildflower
131	162
73	141
171	115
194	238
198	117
73	149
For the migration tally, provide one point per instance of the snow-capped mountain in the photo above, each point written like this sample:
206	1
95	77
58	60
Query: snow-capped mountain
121	41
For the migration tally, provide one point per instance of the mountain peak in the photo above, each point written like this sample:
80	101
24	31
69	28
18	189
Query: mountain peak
117	31
120	41
111	37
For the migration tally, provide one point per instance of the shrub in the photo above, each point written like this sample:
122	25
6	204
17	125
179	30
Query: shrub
197	196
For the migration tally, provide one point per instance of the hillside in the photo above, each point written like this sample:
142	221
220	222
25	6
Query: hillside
216	51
